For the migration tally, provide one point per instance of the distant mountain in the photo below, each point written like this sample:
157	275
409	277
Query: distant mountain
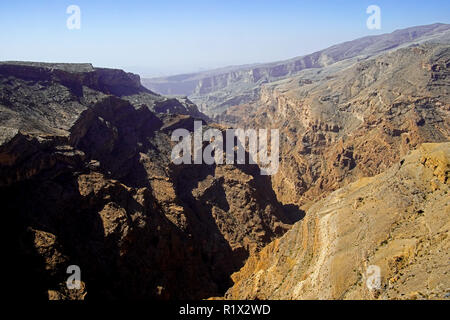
217	90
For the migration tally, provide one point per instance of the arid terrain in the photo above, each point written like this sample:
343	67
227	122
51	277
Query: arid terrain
86	177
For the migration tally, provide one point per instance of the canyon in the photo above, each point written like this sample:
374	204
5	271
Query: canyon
93	185
87	179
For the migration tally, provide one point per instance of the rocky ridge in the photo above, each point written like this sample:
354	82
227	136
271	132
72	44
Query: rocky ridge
217	90
45	98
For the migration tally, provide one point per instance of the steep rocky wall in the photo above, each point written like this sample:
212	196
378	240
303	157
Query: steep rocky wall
108	81
356	123
103	194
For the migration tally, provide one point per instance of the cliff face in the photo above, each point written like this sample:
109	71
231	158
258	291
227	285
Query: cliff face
336	127
42	98
217	90
397	221
75	76
92	185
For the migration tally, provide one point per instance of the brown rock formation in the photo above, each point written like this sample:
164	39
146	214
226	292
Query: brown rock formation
398	221
357	122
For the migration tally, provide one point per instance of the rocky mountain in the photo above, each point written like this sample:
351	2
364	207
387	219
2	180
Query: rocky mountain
397	221
217	90
86	180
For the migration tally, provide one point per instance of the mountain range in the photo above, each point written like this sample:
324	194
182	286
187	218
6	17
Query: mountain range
217	90
86	177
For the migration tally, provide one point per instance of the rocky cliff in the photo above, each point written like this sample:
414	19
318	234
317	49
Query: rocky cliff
338	126
86	179
48	98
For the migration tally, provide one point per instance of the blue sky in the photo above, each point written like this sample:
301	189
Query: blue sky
173	36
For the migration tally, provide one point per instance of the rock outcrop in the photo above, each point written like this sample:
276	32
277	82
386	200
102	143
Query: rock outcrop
42	98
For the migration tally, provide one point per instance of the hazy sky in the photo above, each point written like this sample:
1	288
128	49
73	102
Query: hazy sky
166	37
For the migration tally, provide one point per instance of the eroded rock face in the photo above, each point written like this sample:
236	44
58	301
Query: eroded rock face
354	123
398	221
101	193
337	129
